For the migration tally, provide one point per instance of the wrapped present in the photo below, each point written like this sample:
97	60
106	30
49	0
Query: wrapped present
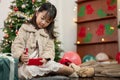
8	67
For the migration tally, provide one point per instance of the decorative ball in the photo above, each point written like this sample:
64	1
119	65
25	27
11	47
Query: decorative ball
23	6
102	56
33	1
118	57
15	9
88	57
6	35
73	57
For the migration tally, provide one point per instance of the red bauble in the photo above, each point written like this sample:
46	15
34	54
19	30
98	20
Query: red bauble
72	57
118	57
15	9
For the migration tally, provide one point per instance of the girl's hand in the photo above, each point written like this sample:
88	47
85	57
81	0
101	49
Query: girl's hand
44	61
24	58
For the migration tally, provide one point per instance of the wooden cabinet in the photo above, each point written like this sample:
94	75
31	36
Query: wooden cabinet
97	27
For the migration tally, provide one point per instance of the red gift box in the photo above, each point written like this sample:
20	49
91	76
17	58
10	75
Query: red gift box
35	61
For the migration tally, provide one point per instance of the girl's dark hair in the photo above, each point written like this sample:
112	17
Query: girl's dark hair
51	13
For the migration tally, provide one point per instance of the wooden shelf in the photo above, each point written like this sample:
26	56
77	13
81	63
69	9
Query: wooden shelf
81	44
97	19
81	1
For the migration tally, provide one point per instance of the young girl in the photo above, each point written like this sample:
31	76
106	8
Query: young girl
37	35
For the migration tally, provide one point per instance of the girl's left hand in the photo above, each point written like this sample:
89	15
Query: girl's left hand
44	61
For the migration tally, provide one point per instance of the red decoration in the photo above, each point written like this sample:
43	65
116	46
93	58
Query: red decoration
72	57
26	51
15	9
82	32
65	62
108	2
10	26
118	57
100	30
35	61
110	7
16	32
89	9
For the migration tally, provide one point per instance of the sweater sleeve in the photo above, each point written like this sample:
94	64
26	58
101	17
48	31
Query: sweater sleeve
49	50
18	44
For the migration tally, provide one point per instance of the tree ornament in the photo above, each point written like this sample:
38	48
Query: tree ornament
13	21
10	26
23	6
4	44
6	36
13	4
10	41
6	40
37	9
9	20
12	30
5	31
15	9
33	1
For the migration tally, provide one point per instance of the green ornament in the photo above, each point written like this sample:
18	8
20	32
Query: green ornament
88	37
108	30
88	57
81	11
101	13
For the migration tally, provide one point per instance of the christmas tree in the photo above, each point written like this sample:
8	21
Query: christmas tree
21	11
58	50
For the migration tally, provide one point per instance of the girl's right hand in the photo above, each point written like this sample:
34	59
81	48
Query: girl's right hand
24	58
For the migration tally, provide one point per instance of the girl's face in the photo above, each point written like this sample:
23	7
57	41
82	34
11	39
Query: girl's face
42	20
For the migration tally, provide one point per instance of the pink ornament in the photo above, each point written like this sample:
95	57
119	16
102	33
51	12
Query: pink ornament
118	57
33	1
73	57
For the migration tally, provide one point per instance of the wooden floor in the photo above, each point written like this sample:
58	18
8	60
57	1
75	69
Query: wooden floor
66	78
